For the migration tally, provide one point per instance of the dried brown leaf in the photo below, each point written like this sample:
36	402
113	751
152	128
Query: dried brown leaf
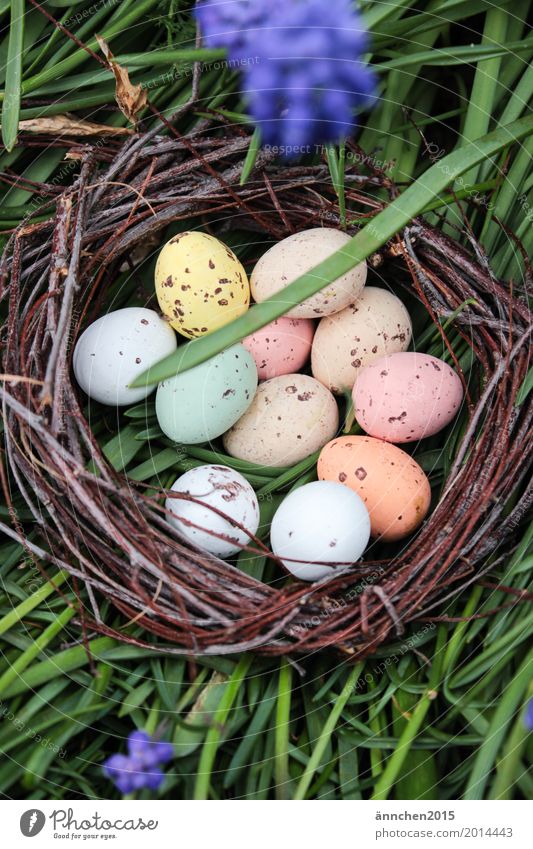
67	125
131	98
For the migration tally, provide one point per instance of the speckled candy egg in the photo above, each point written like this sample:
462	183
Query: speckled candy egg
223	489
320	521
394	488
405	397
297	254
200	284
118	347
290	417
205	401
281	347
375	325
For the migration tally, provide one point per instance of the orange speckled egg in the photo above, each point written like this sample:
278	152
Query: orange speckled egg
393	486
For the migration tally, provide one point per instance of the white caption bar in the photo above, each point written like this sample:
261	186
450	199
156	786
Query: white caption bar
247	825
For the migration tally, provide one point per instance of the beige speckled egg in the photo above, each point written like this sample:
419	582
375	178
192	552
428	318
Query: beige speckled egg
296	255
375	325
200	284
394	488
290	417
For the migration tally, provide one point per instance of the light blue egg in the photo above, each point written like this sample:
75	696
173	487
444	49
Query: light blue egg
204	402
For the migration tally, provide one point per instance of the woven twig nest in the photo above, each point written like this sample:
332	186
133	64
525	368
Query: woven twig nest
111	535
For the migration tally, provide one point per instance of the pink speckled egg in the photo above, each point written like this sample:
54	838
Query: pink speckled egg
406	396
281	347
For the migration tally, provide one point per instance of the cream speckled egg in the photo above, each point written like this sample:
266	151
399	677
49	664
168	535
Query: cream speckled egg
206	400
406	397
393	486
297	254
291	417
221	488
117	348
320	521
281	347
373	326
200	284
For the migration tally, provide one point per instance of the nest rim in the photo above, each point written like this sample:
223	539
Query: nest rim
200	605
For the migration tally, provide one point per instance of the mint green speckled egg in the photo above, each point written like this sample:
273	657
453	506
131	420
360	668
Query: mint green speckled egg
204	402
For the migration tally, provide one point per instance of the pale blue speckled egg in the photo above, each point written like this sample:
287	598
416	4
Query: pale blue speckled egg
204	402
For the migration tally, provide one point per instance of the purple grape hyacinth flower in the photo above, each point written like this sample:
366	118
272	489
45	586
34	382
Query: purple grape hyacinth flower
141	766
304	77
528	716
229	23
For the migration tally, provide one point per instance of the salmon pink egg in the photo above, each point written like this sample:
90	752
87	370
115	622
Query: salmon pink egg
281	347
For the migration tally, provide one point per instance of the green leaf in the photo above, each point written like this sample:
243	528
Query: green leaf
418	778
251	156
212	740
11	106
501	719
281	741
191	734
336	163
122	448
136	697
368	240
525	388
325	736
389	776
23	660
15	616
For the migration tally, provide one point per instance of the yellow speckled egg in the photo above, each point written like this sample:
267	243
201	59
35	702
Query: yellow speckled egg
200	284
393	486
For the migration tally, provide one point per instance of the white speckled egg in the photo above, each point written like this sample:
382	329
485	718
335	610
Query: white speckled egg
281	347
296	255
118	347
221	488
205	401
200	284
373	326
321	521
291	417
406	397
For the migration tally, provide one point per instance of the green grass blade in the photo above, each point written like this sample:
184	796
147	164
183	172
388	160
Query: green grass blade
525	388
325	737
34	600
509	766
485	87
502	717
24	659
212	740
388	777
11	106
281	743
251	156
